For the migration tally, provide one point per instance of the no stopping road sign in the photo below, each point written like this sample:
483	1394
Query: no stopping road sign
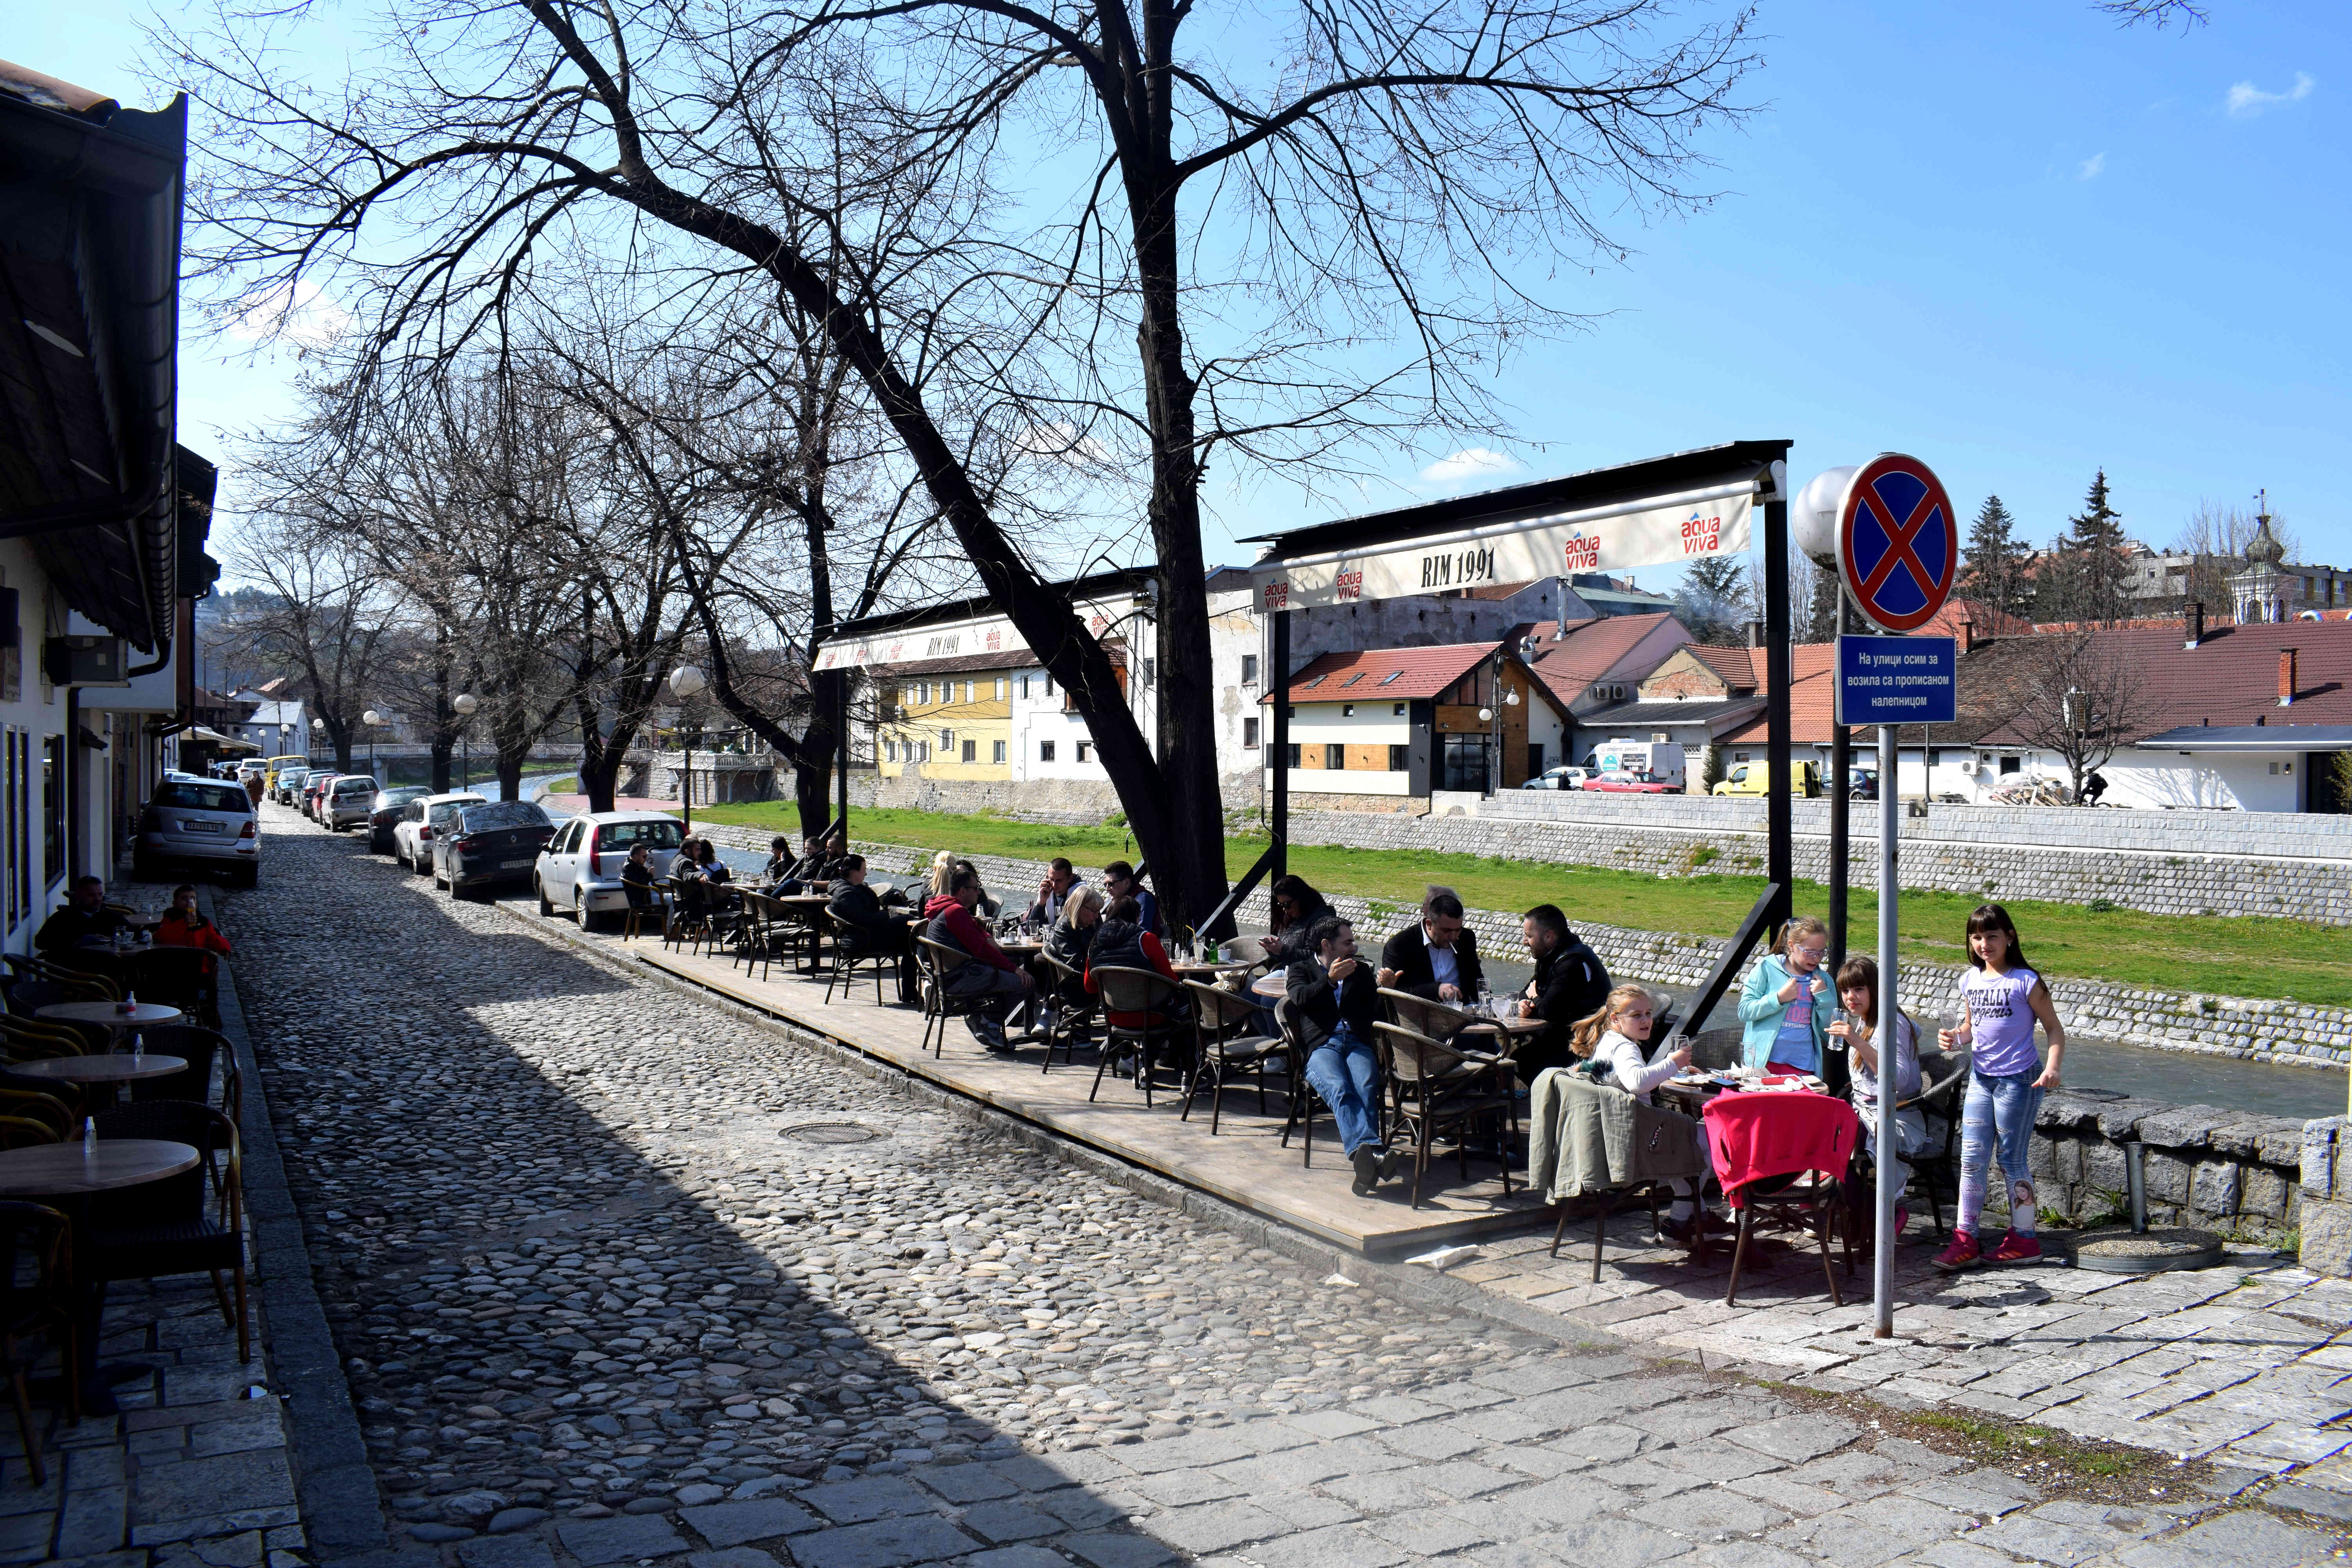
1898	542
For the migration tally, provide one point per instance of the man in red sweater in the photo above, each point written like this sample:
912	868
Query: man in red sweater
990	972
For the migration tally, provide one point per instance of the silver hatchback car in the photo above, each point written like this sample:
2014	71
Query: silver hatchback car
348	803
197	822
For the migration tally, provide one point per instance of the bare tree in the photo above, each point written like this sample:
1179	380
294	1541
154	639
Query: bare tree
2215	538
1134	254
2075	694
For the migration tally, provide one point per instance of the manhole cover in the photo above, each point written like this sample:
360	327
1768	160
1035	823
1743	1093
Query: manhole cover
831	1132
2121	1252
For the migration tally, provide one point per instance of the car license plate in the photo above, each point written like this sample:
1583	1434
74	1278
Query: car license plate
200	827
520	865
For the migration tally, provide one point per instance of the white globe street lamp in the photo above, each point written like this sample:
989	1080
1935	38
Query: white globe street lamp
465	704
685	683
372	718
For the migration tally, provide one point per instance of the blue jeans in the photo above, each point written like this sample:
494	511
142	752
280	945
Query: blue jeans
1347	1074
1996	1118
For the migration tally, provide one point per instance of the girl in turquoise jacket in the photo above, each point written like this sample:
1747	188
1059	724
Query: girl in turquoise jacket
1782	1006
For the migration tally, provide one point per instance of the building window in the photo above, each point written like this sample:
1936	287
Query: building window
1086	752
1249	669
2012	764
1000	692
1464	762
1400	759
947	739
1049	686
1294	754
1044	751
53	812
1024	687
1335	755
1347	710
889	750
1397	711
972	751
996	750
1249	734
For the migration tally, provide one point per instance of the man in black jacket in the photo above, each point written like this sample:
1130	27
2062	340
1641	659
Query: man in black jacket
856	905
1437	958
1571	983
82	917
1334	997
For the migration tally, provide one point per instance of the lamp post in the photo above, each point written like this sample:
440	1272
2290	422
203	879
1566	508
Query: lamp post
465	704
317	734
372	718
685	683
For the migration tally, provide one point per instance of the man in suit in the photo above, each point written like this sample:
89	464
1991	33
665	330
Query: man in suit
1570	983
1437	958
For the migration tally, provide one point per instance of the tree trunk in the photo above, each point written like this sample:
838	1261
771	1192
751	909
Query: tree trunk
444	750
812	769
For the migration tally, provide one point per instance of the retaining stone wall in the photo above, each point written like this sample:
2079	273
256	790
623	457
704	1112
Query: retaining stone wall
2325	1181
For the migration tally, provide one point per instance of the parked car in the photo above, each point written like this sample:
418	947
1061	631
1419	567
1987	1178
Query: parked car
411	835
383	815
1747	778
1559	778
192	822
348	802
1861	783
273	766
285	784
1619	782
580	870
490	841
314	789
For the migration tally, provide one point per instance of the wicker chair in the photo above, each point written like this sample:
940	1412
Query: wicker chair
1077	1011
1304	1096
1434	1087
1143	992
1943	1080
36	1303
161	1229
937	961
187	978
200	1048
1219	1021
654	908
1437	1020
852	946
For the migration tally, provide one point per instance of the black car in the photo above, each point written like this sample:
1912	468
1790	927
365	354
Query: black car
495	841
385	811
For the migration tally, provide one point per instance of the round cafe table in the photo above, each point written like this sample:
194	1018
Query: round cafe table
143	1016
62	1170
113	1069
1271	986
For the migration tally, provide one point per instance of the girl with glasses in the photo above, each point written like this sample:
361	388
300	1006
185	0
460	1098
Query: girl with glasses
1781	1007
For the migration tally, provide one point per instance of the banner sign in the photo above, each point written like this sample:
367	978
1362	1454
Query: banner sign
1656	533
1897	680
953	640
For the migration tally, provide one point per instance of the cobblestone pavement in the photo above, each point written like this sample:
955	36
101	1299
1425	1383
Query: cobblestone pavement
616	1285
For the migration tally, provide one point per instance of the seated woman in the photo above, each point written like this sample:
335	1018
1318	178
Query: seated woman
1121	942
181	926
1296	907
706	861
781	860
1073	936
1858	989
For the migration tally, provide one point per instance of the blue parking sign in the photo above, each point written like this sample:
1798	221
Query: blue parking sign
1897	680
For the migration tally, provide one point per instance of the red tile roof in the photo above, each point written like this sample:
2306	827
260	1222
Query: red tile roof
1589	651
2232	676
1742	668
1396	674
1989	622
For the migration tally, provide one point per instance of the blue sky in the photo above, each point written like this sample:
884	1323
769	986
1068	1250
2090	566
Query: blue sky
2007	238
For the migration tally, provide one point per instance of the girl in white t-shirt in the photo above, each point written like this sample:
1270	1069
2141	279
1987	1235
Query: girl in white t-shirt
1618	1035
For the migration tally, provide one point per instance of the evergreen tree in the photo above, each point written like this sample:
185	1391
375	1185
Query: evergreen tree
1821	617
1995	570
2092	555
1714	601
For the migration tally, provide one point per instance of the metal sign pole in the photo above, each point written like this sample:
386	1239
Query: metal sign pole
1882	1272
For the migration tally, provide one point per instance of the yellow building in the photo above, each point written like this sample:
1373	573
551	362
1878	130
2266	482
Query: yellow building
950	718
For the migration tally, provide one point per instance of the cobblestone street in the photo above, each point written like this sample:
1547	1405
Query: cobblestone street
619	1275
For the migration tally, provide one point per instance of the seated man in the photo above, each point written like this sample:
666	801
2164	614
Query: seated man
989	971
1335	999
1120	882
1569	984
82	918
637	877
1123	941
1437	958
856	905
1053	892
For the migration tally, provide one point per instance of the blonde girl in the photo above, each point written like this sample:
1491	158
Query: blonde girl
1781	1007
1619	1034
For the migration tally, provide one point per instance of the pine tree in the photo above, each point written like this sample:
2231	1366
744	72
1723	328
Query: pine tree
1821	622
2092	553
1714	601
1995	572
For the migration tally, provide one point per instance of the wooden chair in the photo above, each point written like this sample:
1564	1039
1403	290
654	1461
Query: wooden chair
1578	1095
1801	1193
654	908
851	947
161	1228
34	1039
36	1302
1143	992
1712	1050
1304	1096
33	1105
1223	1048
1437	1020
200	1048
1434	1087
1943	1080
1077	1011
758	924
187	978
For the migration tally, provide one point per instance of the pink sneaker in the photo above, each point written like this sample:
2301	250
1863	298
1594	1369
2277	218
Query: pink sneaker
2015	1248
1963	1253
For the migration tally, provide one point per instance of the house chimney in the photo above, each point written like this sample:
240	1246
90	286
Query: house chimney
1968	633
1756	634
2286	677
2193	622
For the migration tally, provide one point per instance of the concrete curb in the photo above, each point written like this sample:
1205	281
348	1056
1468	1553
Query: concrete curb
343	1513
1422	1286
